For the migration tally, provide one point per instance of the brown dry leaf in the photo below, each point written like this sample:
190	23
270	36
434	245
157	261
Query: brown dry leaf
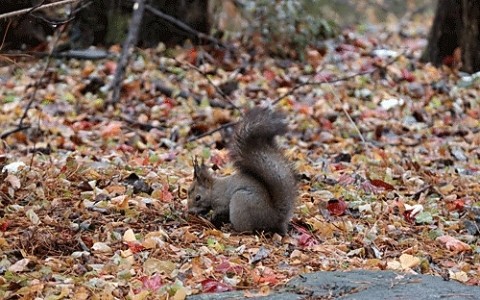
59	210
19	266
264	291
112	129
453	244
13	180
116	189
121	202
155	239
81	293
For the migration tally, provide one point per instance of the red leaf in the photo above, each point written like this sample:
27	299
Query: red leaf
213	286
135	247
227	267
408	217
4	226
82	125
192	56
166	195
344	179
126	148
368	187
152	283
337	207
112	129
306	240
265	275
382	184
323	77
345	48
304	109
269	75
326	124
457	205
218	159
110	67
362	43
407	75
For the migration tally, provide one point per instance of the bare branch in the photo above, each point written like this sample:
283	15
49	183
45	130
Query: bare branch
186	28
223	126
28	10
217	89
130	41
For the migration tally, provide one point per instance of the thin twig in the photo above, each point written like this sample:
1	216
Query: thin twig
347	114
335	95
217	89
223	126
15	130
5	33
143	126
296	87
311	82
130	42
36	86
181	25
30	9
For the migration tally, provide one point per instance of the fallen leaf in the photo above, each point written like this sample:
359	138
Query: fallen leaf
112	129
32	216
408	261
337	207
13	180
101	247
453	244
129	236
214	286
19	266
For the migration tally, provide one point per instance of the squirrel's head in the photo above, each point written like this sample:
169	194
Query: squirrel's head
199	193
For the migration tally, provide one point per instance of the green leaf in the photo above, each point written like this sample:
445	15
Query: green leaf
424	218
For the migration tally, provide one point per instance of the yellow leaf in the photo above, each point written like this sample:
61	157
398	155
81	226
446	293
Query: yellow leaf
81	293
181	294
141	296
446	189
394	265
459	276
408	261
129	236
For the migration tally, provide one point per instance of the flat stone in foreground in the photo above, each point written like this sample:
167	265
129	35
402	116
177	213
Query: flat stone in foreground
363	285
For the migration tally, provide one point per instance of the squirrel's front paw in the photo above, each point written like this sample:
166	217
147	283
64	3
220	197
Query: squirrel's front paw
219	219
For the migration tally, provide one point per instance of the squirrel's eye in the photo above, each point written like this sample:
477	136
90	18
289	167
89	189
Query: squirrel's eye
198	197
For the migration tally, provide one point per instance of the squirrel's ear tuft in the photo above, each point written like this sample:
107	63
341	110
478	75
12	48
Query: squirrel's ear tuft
196	167
201	174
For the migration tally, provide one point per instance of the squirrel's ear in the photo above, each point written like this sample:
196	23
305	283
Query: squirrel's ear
196	168
201	174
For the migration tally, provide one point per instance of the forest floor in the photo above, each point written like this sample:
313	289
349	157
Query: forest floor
93	200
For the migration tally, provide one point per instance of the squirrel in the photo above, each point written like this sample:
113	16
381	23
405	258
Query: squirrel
260	195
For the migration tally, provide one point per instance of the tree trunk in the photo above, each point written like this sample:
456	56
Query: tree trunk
456	26
470	39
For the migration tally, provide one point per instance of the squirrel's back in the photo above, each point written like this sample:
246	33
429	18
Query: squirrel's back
255	153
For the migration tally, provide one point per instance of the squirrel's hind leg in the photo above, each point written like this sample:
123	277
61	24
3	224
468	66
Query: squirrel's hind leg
250	214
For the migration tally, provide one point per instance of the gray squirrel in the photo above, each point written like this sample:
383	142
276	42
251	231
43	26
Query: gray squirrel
260	195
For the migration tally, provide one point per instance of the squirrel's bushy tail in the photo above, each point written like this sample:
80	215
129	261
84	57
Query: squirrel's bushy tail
255	153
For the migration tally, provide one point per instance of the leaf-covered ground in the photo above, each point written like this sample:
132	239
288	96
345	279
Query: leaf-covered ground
93	201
